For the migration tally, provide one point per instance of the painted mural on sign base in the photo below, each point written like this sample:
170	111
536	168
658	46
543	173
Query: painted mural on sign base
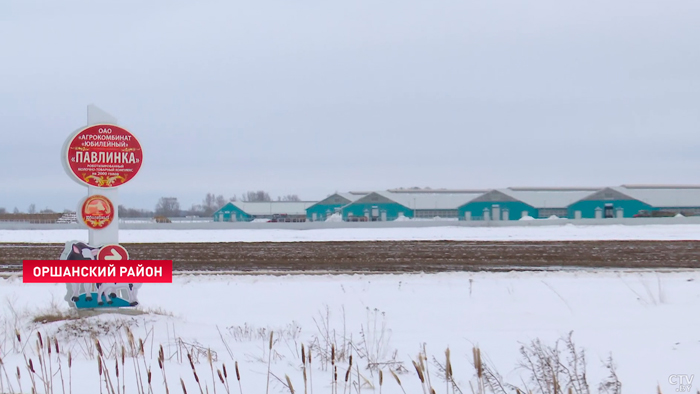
96	295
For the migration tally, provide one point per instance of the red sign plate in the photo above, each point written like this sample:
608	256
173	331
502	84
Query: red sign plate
97	212
113	252
103	156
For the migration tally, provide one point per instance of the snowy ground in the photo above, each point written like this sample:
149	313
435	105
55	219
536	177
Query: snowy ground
544	233
648	321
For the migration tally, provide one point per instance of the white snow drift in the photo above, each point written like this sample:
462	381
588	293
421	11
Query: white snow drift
647	321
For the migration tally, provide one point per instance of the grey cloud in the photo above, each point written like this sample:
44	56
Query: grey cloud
311	97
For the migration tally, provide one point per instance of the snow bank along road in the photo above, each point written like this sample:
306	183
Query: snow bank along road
392	256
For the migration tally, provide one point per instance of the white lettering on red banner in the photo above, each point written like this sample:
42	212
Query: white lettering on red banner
97	271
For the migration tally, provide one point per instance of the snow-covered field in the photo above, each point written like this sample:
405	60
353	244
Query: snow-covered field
544	233
648	321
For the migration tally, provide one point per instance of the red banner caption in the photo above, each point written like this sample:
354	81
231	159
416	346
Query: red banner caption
97	271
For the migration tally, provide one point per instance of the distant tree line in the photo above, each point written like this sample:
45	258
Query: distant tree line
31	210
170	207
135	213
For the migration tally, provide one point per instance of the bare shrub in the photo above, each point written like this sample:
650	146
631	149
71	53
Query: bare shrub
325	344
552	372
611	384
288	336
375	345
248	332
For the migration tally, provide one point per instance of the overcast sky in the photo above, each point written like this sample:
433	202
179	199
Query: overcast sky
313	97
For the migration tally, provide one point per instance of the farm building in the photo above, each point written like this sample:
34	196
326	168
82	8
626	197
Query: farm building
387	205
330	205
607	203
516	203
669	199
238	211
630	201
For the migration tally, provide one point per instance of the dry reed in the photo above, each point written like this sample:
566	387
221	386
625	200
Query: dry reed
2	381
99	370
397	380
70	375
60	366
334	382
19	380
211	366
269	363
311	381
419	371
238	377
303	364
32	372
289	384
123	355
479	367
182	383
116	372
194	372
334	377
347	375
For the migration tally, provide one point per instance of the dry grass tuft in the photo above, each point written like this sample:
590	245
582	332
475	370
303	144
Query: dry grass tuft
157	311
54	314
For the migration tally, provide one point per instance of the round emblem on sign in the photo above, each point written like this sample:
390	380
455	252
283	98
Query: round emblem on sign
102	156
97	212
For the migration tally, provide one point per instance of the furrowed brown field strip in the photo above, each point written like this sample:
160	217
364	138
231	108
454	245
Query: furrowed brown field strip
391	256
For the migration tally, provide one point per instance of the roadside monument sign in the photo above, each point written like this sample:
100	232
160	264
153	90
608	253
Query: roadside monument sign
100	156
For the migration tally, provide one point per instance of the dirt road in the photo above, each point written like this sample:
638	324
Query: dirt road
395	256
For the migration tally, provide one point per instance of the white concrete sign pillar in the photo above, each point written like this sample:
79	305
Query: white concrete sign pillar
109	235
